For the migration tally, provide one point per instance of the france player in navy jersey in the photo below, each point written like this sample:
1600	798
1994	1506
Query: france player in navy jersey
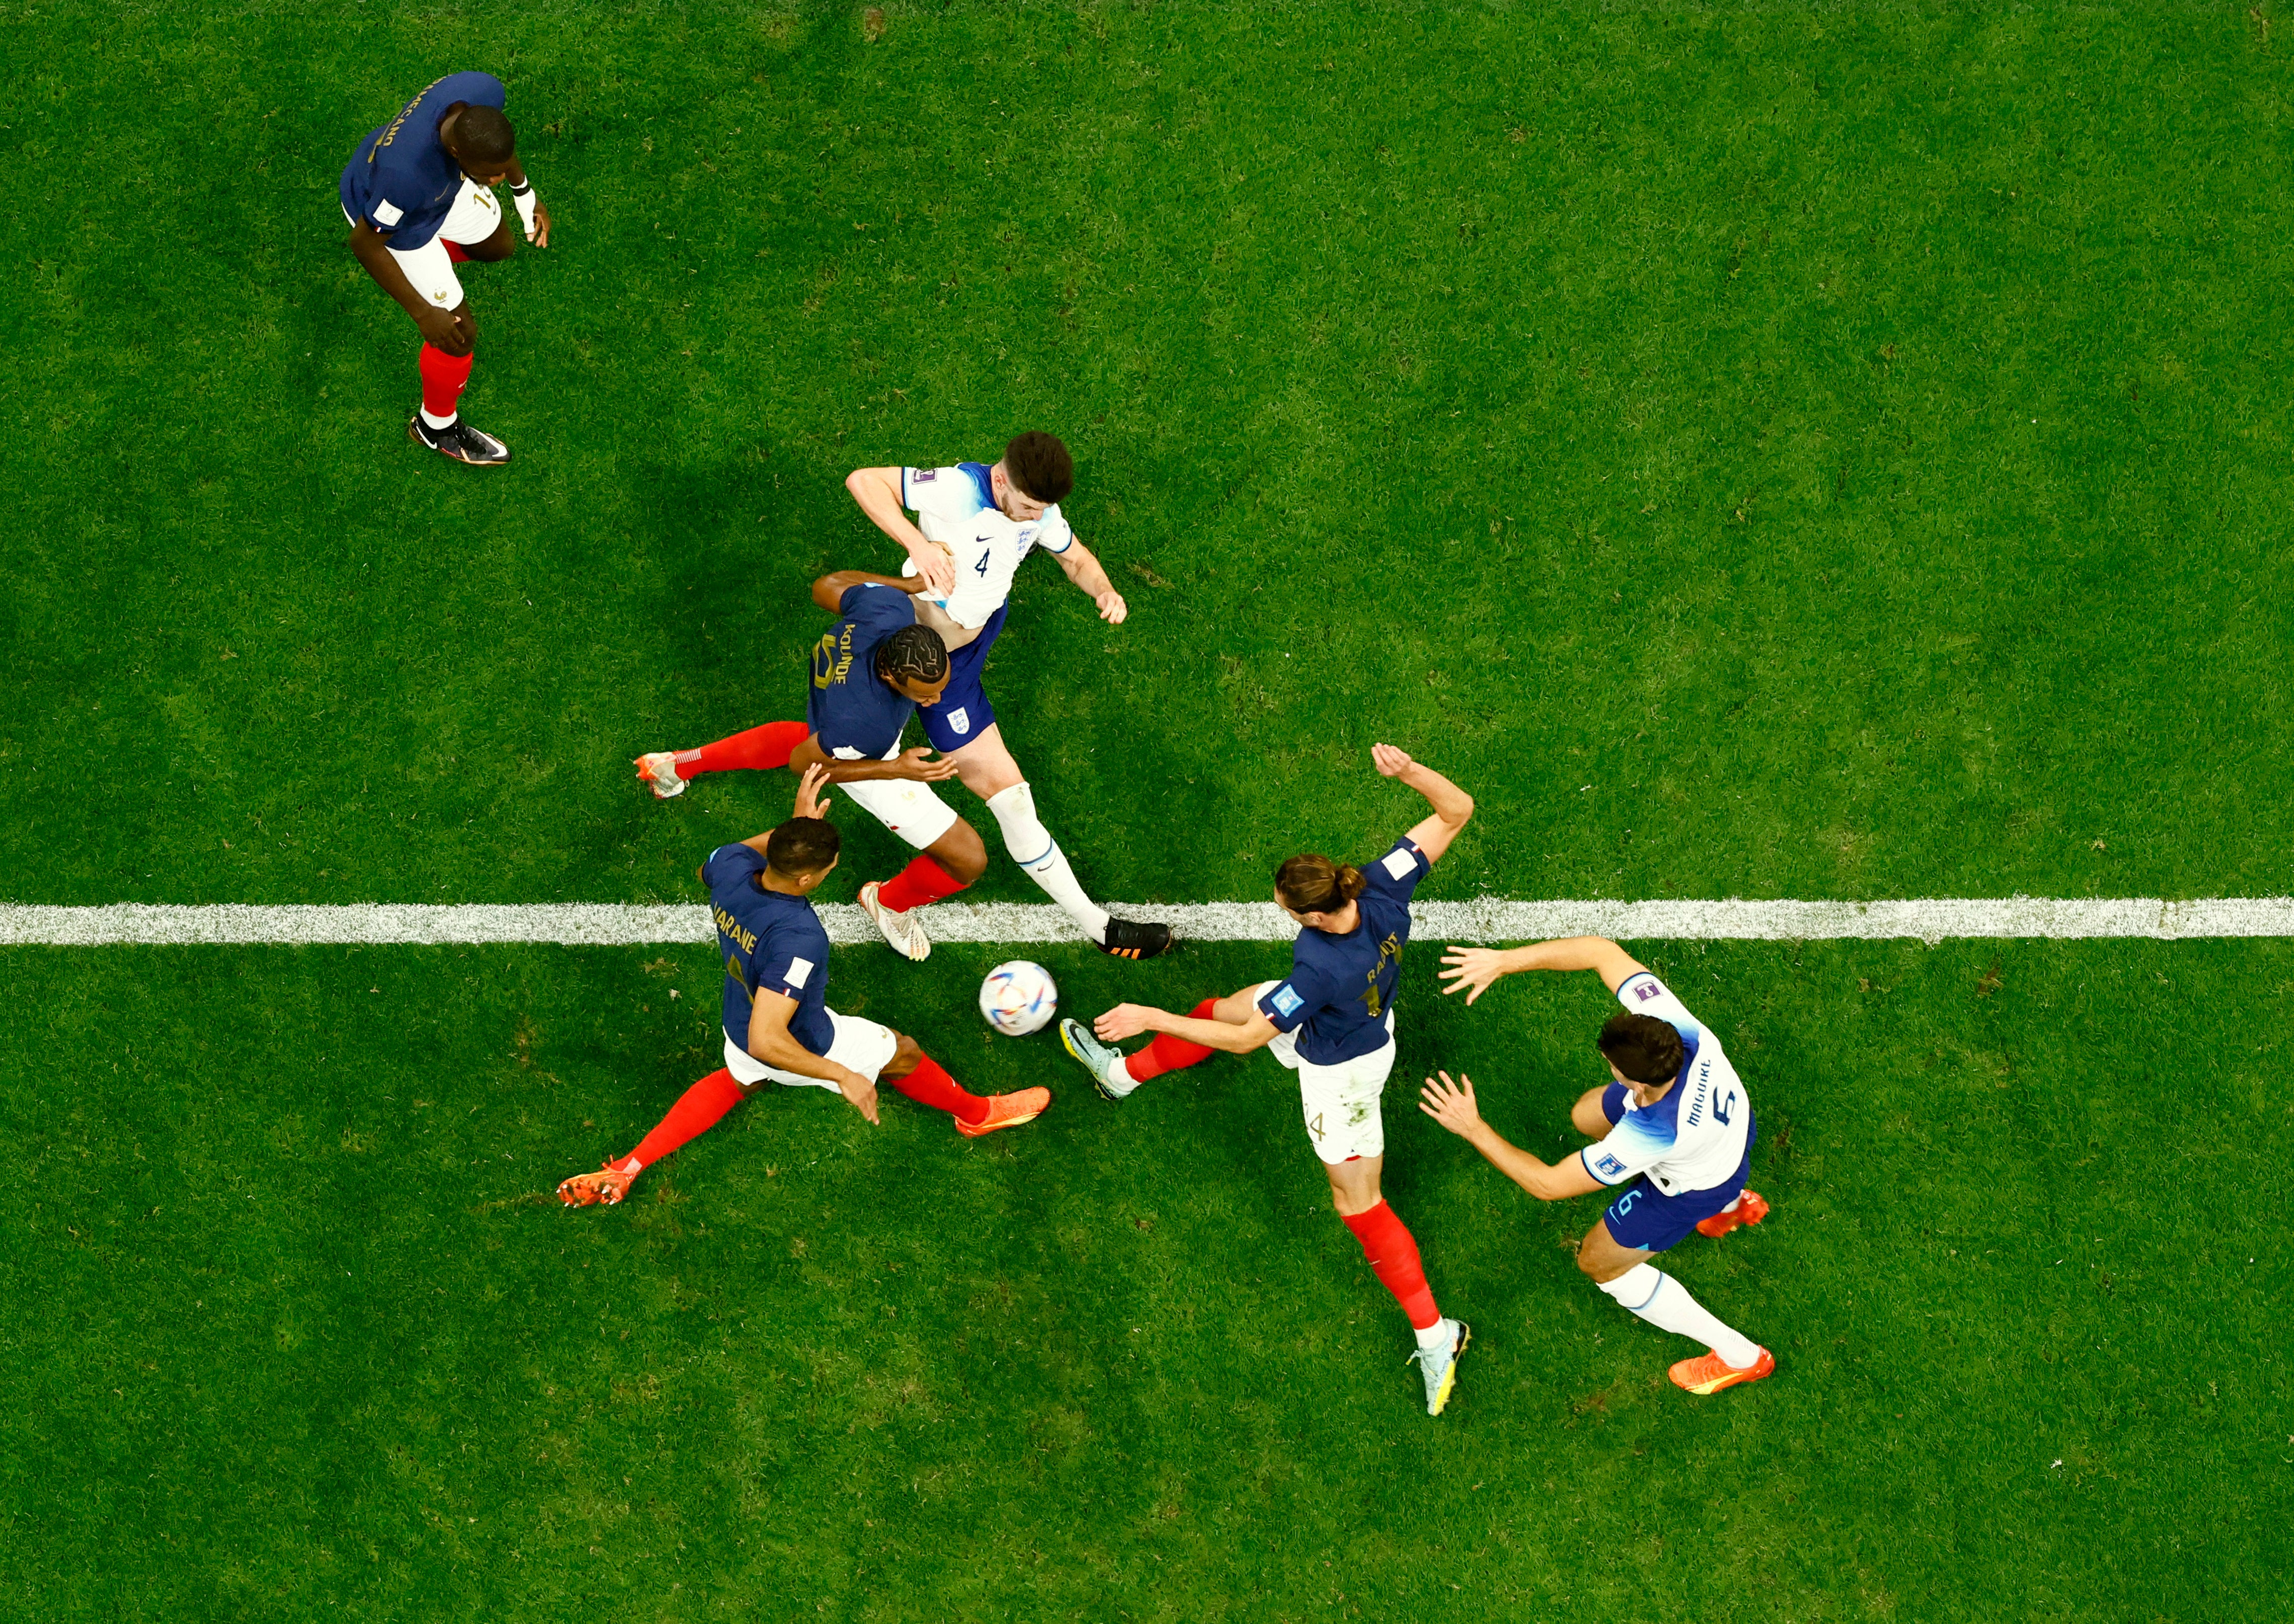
777	1025
1330	1021
975	523
1674	1129
870	672
417	193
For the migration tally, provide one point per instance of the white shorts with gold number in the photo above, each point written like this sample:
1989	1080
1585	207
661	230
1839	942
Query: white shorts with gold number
1341	1101
859	1045
430	269
913	811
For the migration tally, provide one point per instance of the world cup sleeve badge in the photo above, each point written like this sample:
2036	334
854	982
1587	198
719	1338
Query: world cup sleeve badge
959	720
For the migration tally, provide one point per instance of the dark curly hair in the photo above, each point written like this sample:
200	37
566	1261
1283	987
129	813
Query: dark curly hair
1644	1047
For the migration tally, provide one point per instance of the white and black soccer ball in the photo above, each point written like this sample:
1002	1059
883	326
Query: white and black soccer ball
1018	998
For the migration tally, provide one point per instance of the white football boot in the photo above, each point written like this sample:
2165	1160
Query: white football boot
658	767
905	931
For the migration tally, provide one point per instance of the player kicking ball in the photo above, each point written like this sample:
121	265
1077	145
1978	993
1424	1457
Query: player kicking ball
870	672
1674	1126
1330	1021
778	1027
418	196
975	523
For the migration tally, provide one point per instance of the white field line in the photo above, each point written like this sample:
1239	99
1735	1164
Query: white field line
606	924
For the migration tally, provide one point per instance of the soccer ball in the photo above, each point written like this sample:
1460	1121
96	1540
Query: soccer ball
1018	998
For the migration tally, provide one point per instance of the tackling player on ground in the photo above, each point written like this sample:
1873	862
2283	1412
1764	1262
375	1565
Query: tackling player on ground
777	1025
1674	1126
975	523
418	196
1330	1021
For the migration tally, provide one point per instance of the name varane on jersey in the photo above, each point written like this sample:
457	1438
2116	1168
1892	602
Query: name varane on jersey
956	506
771	942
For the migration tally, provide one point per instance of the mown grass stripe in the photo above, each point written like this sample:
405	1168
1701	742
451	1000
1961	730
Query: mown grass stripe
606	924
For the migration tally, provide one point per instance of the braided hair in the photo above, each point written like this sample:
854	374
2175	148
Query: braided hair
914	654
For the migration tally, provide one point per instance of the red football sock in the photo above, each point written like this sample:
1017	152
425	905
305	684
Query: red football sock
697	1110
929	1084
758	749
1168	1054
443	377
923	880
1393	1255
454	252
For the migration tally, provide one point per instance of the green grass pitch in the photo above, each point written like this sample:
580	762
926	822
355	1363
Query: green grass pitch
1811	452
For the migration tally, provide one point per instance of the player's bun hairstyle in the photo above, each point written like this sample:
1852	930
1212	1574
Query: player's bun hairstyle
802	846
483	135
914	654
1313	884
1644	1047
1040	466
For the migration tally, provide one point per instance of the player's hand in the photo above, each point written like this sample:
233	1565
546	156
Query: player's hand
913	765
1471	971
937	566
539	235
861	1092
439	329
1123	1021
810	801
1390	762
1112	609
1452	1104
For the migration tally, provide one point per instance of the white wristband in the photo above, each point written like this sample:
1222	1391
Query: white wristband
525	201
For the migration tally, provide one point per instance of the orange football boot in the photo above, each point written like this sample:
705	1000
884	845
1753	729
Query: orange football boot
608	1185
1007	1112
1709	1373
1750	1209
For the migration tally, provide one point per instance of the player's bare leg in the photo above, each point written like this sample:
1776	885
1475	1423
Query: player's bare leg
1588	1117
437	423
1115	1074
941	869
1641	1289
987	767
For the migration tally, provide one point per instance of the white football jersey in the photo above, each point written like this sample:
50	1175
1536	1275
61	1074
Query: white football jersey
1692	1139
955	507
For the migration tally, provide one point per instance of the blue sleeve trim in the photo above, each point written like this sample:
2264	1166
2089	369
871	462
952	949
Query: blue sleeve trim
980	482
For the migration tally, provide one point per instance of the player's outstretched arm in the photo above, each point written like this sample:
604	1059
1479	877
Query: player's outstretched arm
1472	970
829	591
1082	566
878	492
770	1041
1454	1107
1131	1020
1451	805
915	765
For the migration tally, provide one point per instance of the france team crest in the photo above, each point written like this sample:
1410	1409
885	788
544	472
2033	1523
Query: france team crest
959	721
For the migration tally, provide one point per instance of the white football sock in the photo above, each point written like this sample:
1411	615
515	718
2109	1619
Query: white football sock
1665	1303
1118	1080
1436	1338
435	424
1039	857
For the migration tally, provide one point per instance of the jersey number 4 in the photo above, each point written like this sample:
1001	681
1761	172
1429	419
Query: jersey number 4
1315	1126
981	569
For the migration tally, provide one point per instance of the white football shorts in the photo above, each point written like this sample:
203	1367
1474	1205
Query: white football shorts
1340	1103
913	811
859	1045
430	269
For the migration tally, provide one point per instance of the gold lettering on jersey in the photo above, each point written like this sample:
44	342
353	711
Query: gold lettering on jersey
731	927
390	131
832	657
1387	950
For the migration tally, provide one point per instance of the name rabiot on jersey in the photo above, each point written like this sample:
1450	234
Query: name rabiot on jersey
1692	1139
956	506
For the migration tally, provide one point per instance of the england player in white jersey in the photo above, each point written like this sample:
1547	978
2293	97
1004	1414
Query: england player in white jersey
975	523
1673	1127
